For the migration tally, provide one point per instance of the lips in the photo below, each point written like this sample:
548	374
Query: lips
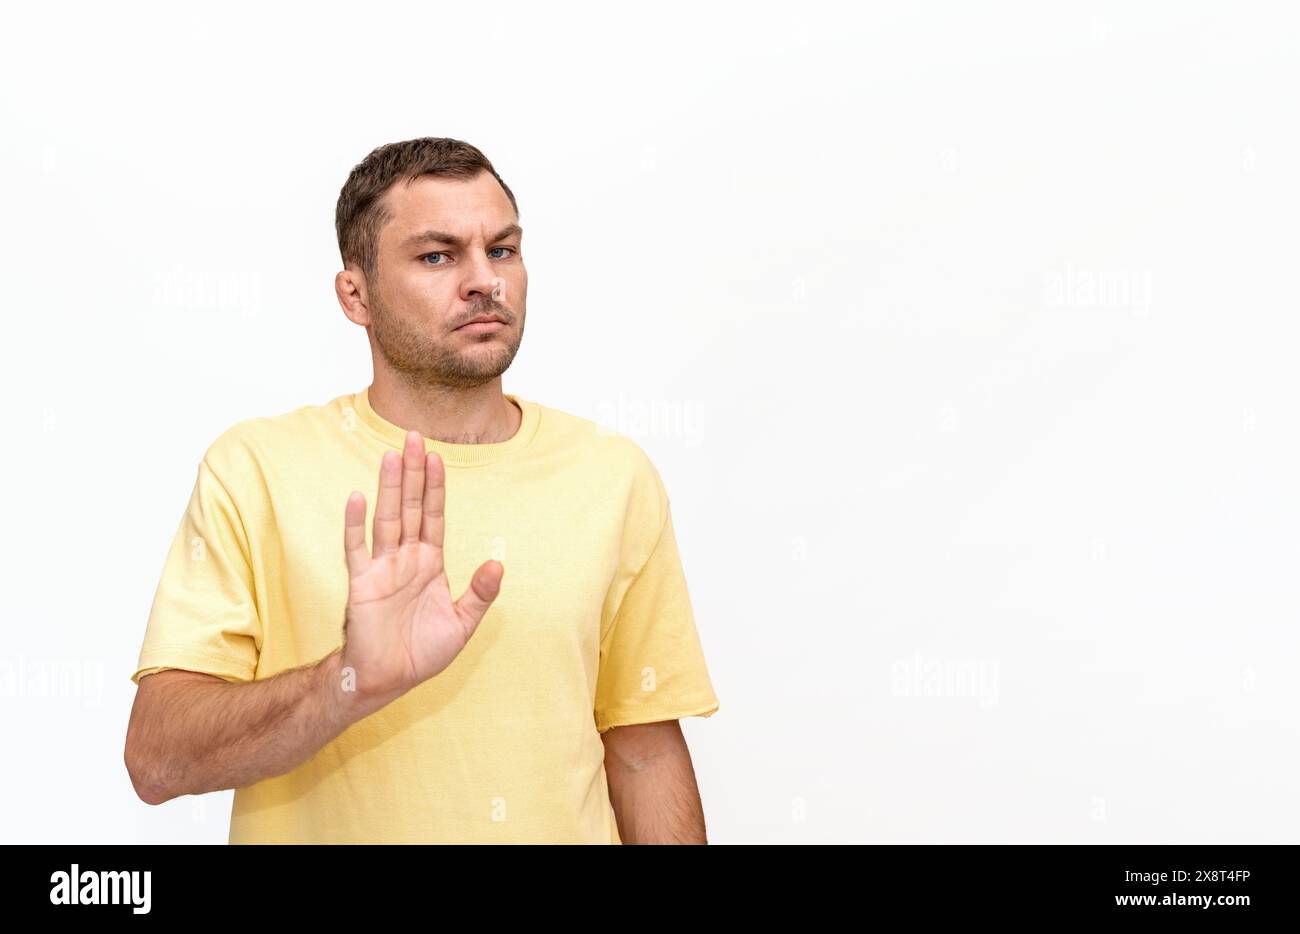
482	319
481	326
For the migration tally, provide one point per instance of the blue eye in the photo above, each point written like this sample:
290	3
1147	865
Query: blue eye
509	249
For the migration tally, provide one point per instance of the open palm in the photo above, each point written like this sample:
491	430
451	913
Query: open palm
402	626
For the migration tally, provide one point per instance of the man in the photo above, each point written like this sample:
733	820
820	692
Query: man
327	671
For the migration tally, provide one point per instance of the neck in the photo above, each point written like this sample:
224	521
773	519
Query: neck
477	415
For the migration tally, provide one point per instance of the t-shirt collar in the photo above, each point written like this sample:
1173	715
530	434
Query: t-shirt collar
453	455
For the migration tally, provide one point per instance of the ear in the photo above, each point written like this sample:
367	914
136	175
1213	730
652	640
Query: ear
350	287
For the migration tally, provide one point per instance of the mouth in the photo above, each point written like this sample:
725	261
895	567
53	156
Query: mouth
483	324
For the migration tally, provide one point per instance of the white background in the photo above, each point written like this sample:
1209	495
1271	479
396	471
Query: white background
967	332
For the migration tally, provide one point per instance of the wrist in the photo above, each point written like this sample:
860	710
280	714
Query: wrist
345	702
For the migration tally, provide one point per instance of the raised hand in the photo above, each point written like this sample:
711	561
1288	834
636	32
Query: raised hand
402	626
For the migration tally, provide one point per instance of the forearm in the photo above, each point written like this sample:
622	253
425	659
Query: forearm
657	800
206	736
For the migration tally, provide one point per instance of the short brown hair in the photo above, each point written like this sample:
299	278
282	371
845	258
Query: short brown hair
360	213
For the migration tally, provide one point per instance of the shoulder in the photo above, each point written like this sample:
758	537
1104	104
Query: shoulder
615	458
611	448
246	449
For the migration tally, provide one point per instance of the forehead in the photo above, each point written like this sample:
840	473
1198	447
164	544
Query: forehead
466	207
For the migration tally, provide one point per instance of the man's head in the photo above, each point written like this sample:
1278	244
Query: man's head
430	240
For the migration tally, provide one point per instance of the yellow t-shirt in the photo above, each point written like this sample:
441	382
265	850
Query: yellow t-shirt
593	627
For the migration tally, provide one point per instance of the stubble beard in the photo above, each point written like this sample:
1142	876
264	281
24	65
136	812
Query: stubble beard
422	359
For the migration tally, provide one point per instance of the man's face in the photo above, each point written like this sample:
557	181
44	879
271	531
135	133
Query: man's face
450	253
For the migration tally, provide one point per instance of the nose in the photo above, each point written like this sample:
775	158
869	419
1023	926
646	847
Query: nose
482	282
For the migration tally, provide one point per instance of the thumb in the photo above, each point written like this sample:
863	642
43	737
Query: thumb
482	590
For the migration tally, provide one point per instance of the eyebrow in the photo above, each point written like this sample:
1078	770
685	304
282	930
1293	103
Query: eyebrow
441	236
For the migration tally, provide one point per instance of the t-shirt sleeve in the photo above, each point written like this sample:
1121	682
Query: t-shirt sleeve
652	664
204	616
